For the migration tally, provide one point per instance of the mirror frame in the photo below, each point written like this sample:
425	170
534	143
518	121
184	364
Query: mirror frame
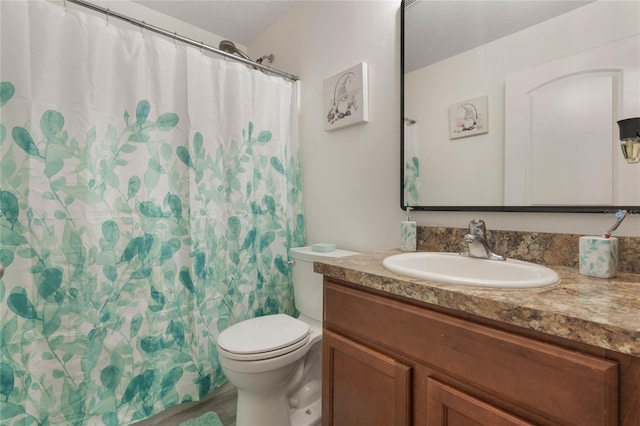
531	209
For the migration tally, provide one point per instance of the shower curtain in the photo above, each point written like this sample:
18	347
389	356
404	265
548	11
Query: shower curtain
411	165
148	198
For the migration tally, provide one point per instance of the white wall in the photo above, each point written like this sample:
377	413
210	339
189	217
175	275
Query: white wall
351	176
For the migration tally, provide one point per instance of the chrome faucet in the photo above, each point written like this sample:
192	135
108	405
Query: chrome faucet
477	242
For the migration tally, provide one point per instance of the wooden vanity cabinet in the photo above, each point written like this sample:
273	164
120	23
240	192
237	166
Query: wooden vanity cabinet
390	362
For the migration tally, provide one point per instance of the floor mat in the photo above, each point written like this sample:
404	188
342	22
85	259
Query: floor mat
207	419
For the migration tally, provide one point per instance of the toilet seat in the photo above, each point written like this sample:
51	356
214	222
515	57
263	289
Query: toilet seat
263	338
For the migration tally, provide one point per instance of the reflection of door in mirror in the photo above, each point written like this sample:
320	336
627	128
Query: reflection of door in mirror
560	117
470	172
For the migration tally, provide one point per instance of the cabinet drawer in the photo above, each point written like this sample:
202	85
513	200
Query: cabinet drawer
562	385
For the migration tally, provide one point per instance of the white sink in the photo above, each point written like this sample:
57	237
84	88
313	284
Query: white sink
453	268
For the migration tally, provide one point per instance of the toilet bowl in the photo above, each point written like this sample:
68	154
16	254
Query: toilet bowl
271	378
275	361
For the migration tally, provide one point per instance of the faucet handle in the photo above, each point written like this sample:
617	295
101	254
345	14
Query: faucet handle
477	227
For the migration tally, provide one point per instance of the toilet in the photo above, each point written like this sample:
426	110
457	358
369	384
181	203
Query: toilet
275	361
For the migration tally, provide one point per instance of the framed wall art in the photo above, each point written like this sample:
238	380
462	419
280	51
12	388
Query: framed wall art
469	118
346	100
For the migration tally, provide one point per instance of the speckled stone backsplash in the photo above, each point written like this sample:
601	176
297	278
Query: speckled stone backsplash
537	247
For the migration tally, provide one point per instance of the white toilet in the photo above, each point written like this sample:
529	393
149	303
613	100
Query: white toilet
275	361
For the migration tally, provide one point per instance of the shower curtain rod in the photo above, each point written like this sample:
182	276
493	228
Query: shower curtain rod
181	38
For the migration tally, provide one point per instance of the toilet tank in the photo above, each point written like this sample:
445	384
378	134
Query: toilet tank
307	285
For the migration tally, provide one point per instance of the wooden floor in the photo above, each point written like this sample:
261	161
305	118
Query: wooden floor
222	401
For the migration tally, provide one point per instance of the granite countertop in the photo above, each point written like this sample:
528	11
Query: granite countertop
599	312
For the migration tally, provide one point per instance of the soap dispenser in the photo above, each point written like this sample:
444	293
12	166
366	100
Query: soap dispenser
408	233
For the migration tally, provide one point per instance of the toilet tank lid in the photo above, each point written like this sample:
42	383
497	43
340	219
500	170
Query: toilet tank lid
263	334
305	253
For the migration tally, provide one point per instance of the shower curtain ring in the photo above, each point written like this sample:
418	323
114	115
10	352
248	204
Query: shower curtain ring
108	12
175	41
65	5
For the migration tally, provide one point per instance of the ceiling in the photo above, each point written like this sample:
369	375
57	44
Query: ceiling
435	30
241	21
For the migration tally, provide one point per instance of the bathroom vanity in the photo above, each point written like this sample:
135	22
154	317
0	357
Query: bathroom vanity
404	351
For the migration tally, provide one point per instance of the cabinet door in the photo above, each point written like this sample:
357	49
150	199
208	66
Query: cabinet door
448	406
361	386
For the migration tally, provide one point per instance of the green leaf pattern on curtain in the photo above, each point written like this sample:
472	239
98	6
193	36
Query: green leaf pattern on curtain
410	184
127	251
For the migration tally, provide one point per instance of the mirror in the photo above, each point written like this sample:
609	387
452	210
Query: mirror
512	105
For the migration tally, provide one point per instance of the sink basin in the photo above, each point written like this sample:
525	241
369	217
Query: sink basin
453	268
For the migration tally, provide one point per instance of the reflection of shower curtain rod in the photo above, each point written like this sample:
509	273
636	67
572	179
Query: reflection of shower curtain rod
183	39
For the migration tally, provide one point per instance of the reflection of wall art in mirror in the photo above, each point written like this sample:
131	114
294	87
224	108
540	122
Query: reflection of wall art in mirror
345	97
469	118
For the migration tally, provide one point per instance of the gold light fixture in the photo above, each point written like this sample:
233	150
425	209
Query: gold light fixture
630	139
